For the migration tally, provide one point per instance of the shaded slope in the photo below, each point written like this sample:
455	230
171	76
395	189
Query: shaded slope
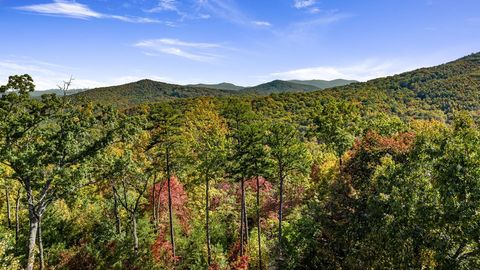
220	86
322	84
278	86
423	93
145	91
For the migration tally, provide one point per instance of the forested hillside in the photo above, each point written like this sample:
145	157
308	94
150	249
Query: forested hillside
222	86
279	86
377	175
322	84
423	93
145	91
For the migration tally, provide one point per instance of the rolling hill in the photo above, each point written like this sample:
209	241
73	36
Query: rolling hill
220	86
278	86
145	91
322	84
433	92
56	92
153	91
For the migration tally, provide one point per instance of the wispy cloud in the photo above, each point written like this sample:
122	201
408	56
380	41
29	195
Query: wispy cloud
366	70
312	27
262	24
190	50
176	42
225	9
184	9
304	3
76	10
46	75
323	20
165	5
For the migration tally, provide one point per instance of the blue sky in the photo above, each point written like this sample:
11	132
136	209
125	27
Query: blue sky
246	42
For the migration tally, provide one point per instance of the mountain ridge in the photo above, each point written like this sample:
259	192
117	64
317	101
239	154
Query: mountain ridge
443	88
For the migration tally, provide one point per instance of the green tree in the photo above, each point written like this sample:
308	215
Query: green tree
45	143
207	133
290	156
337	125
167	143
457	177
239	114
254	163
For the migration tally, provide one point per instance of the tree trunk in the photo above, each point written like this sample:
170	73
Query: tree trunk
170	210
280	209
33	216
32	240
7	197
134	232
245	218
154	204
17	208
40	244
159	204
207	219
242	216
258	226
115	213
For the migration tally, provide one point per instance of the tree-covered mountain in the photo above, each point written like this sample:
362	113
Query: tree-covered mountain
322	84
278	86
145	91
423	93
57	92
221	86
433	92
153	91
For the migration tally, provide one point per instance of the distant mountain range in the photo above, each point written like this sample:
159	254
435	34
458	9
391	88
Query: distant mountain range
279	86
220	86
321	84
424	93
145	91
152	91
57	92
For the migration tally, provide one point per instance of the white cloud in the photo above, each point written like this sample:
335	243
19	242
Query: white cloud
363	71
262	24
302	31
304	3
184	54
225	9
64	8
324	20
169	6
45	75
174	42
78	11
165	5
190	50
48	75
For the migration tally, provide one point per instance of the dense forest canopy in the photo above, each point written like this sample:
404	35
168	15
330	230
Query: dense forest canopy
377	175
